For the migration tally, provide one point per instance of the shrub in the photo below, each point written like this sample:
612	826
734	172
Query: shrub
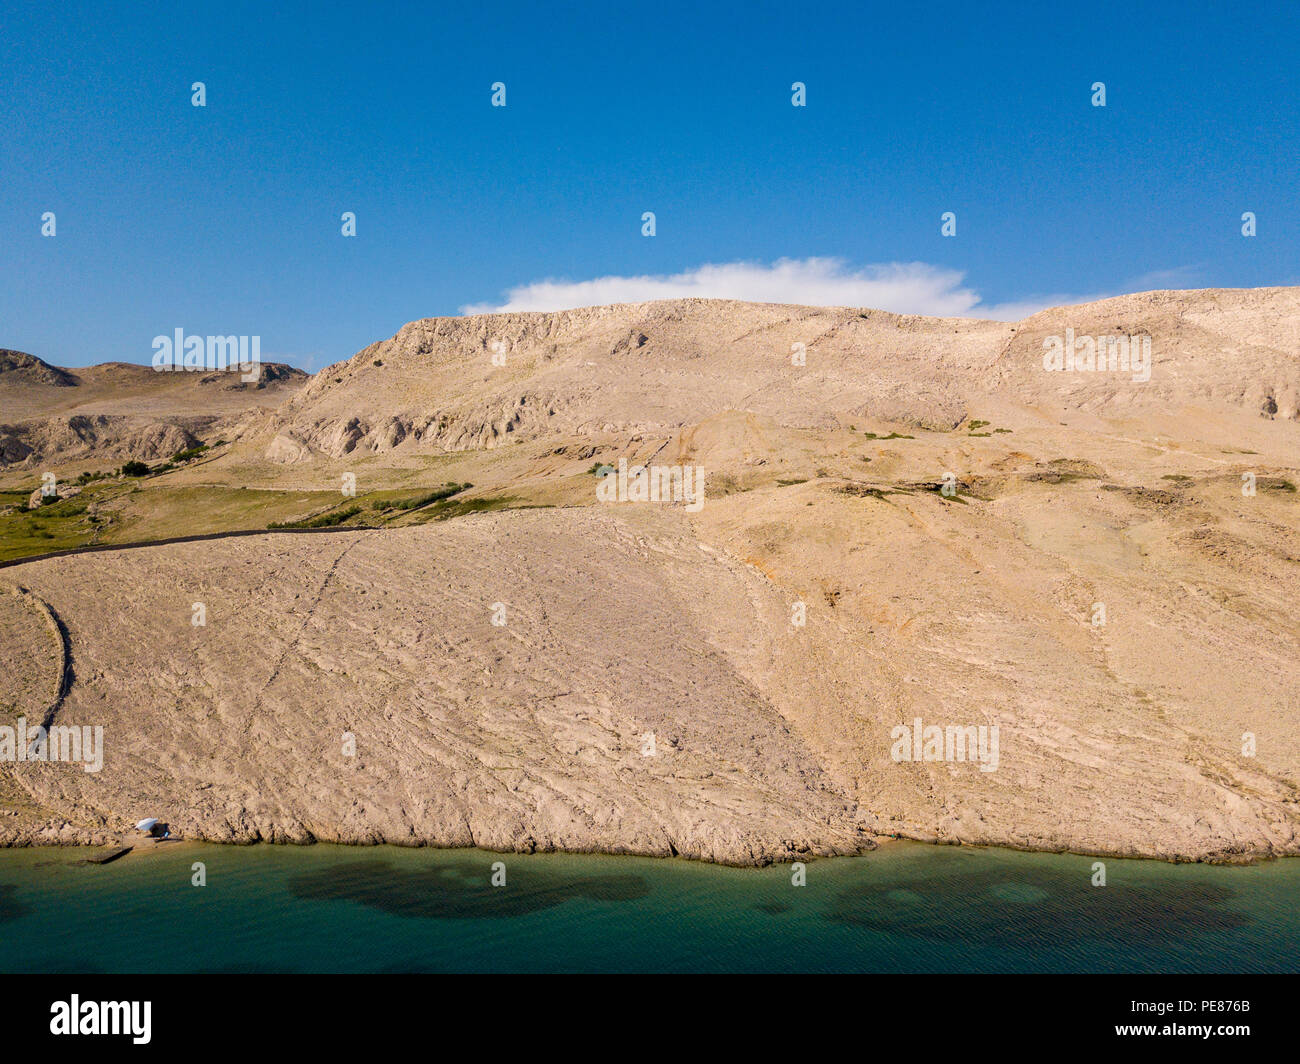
423	500
321	521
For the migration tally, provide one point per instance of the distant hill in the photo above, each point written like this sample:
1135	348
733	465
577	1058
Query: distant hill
120	410
20	366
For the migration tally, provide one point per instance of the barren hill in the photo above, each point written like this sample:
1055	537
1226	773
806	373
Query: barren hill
119	410
655	367
914	522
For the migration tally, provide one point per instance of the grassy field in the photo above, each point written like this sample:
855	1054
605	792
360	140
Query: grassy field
143	510
54	526
125	510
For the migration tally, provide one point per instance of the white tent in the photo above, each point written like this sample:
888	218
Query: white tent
147	825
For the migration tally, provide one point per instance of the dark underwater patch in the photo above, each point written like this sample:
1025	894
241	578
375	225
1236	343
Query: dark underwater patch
460	890
982	905
10	907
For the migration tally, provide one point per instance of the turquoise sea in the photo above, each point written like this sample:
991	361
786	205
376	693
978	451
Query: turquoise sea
904	908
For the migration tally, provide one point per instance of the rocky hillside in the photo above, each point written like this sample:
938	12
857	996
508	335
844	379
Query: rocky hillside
915	521
116	411
459	383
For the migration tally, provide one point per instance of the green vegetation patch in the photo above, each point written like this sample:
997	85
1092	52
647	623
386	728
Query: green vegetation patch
329	520
449	508
415	502
57	524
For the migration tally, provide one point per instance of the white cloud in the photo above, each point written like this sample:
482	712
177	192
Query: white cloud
901	287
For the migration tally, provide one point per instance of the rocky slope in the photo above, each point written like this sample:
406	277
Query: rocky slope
1111	584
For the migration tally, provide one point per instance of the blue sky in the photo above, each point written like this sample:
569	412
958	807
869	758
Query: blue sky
226	219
